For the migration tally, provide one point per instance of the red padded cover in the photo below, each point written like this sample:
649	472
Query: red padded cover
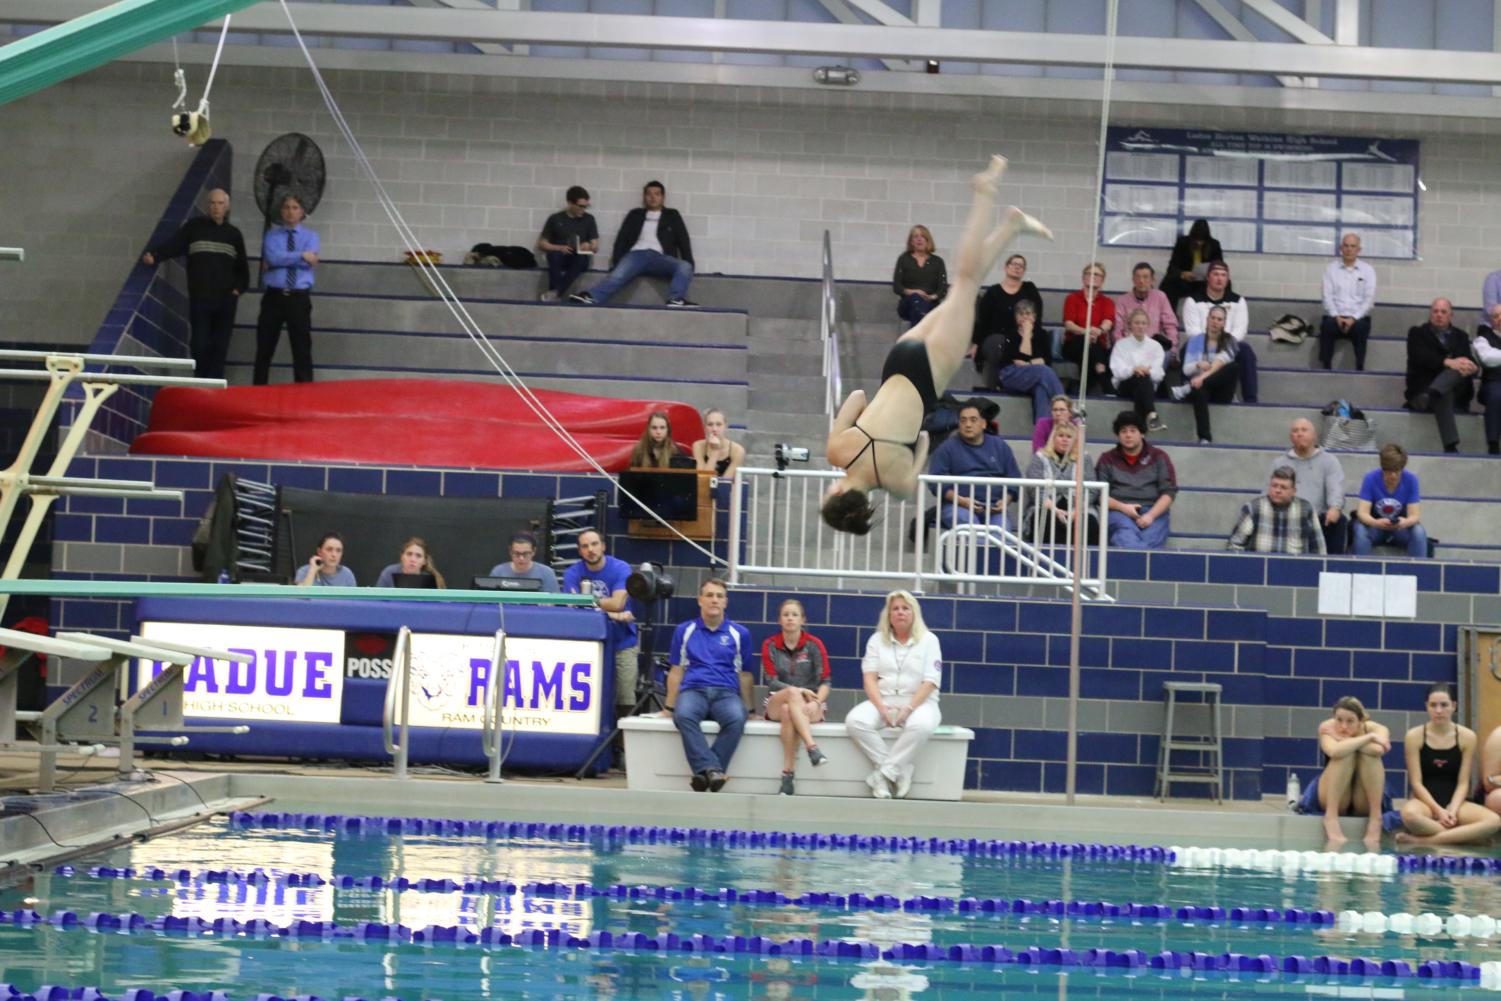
421	422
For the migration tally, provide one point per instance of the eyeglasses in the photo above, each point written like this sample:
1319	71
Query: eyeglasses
517	554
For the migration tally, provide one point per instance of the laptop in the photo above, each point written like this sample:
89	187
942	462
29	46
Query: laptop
420	580
507	584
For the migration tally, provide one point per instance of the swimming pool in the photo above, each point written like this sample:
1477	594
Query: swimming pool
904	906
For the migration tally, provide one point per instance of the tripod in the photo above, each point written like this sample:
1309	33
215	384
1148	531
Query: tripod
649	695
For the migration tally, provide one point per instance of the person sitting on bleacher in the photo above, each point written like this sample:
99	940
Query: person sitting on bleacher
1321	482
653	240
707	657
715	452
1020	360
523	551
1217	292
1142	484
1210	371
796	668
656	449
1137	367
1390	510
414	560
972	451
903	669
1162	324
1440	371
1487	346
1089	315
325	567
1349	294
1278	521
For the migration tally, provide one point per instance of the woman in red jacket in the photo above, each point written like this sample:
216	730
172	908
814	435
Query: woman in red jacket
796	668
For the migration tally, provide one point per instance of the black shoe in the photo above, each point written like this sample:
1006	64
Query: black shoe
681	303
583	298
1419	403
1452	449
1493	447
699	782
816	756
716	780
786	784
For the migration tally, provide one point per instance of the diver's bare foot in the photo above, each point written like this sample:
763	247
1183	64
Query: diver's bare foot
1027	224
988	181
1332	831
1372	836
1403	838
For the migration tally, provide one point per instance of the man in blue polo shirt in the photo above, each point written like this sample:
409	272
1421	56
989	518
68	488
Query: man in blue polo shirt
707	655
605	577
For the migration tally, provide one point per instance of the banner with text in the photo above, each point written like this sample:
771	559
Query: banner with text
1262	192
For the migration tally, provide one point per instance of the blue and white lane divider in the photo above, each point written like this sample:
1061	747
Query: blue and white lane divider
1425	925
636	834
991	954
611	835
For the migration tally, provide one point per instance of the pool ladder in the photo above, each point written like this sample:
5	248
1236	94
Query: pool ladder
1209	748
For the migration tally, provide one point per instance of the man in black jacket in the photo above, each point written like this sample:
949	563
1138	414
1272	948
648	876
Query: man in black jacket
218	271
652	241
1440	370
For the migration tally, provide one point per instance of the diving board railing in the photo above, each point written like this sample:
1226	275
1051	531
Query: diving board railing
85	716
923	540
396	714
62	371
828	332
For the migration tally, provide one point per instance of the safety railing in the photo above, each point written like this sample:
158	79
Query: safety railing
964	530
828	332
396	715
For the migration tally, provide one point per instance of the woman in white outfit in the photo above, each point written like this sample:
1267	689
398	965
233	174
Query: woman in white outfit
903	669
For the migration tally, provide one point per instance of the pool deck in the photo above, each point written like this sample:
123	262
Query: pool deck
325	788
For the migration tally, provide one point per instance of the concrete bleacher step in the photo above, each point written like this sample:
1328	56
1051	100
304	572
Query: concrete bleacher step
1199	511
1383	354
652	326
1364	389
558	356
729	395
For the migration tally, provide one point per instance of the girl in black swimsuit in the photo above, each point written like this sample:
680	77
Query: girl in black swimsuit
881	444
1440	778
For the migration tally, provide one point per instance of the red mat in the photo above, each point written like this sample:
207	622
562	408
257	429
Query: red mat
420	422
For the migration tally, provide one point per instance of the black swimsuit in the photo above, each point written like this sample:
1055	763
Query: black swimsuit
909	359
1440	769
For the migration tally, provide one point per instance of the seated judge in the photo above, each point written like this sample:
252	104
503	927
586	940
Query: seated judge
414	560
523	553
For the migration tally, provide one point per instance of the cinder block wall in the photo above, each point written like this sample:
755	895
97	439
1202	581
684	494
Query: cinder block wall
759	173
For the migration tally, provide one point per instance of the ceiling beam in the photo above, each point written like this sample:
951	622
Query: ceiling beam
1288	21
1233	27
868	41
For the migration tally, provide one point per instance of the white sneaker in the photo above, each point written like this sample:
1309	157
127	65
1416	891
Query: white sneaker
904	784
548	296
1179	392
879	787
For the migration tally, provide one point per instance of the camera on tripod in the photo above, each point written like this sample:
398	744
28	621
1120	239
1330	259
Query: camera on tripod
784	453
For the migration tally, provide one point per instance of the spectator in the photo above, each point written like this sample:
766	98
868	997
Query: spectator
1136	367
1087	314
655	449
1060	411
1020	361
1189	262
1279	521
289	253
1439	371
1490	770
218	272
1487	345
604	577
715	452
1142	485
995	315
1353	782
414	560
324	568
919	280
1349	294
796	668
653	240
1321	482
1163	322
972	452
903	668
523	565
1390	507
1217	292
569	239
1055	463
1440	776
1210	371
704	682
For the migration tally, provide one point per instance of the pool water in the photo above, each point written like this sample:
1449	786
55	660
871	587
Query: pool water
335	968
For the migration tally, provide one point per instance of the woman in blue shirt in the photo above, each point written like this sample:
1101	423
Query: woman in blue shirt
325	568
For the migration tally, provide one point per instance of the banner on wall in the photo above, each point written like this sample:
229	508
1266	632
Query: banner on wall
1262	192
297	675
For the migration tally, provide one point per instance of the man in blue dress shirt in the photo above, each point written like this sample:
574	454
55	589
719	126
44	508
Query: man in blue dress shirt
289	253
707	657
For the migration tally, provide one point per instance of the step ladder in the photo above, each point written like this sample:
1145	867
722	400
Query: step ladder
1210	768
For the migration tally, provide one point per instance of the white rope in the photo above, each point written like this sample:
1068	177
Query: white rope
461	314
1099	186
213	67
179	78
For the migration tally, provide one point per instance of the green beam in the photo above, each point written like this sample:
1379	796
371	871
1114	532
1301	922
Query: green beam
77	46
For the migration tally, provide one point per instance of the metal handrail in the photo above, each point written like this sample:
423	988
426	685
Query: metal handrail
401	677
491	729
828	332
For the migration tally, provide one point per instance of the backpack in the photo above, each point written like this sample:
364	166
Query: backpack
1346	426
1288	329
495	256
